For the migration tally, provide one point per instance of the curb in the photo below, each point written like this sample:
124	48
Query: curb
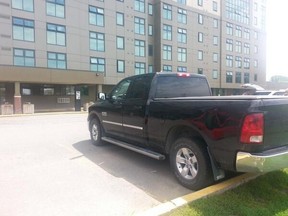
44	113
166	207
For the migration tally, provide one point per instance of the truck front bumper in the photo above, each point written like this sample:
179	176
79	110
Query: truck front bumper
264	162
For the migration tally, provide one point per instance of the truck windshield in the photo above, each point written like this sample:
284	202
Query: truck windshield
175	86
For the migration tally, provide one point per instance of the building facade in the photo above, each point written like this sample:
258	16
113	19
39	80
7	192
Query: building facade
56	54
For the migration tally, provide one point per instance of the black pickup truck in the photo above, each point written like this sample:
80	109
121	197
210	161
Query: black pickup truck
174	115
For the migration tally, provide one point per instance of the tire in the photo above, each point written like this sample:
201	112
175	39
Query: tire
190	163
95	132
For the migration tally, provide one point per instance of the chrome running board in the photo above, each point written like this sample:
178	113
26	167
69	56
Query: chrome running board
137	149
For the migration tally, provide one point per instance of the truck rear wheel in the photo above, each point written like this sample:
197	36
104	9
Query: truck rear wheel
95	132
190	163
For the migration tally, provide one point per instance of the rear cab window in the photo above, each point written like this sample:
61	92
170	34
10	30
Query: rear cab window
181	86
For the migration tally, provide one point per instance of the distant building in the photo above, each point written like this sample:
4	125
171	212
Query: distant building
51	49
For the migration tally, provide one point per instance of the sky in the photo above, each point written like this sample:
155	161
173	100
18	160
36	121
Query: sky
277	38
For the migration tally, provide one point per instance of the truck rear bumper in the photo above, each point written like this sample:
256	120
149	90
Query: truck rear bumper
267	161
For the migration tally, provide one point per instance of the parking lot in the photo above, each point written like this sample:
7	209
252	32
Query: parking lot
49	167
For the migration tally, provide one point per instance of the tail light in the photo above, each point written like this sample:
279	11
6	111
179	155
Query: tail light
253	129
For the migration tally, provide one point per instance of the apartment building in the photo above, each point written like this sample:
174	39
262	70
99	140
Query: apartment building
58	54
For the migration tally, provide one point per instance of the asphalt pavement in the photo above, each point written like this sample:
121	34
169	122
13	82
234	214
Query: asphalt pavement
49	167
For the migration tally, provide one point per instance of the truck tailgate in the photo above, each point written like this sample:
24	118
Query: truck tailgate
276	122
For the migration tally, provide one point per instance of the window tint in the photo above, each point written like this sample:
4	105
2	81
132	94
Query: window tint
119	92
172	86
140	87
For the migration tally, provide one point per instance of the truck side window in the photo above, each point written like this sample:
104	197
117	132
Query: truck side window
140	88
119	92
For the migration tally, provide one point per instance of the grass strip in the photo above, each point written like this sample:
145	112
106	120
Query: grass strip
266	195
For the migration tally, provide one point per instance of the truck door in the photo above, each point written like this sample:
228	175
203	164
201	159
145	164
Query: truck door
134	110
112	109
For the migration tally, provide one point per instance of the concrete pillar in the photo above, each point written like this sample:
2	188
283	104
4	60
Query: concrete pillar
92	93
77	98
99	88
17	99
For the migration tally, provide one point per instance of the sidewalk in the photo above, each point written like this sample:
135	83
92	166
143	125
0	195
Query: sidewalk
46	113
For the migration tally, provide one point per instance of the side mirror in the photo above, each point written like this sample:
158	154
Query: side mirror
101	96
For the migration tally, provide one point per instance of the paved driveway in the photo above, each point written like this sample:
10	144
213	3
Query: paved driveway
48	167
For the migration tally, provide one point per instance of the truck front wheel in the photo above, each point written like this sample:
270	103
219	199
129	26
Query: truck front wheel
190	163
95	132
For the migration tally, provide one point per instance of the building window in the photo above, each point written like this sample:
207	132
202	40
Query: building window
200	70
96	16
215	6
255	77
56	60
139	25
139	48
246	63
247	34
238	62
167	68
56	34
120	19
181	69
215	74
181	2
229	45
120	66
255	21
238	10
229	77
97	41
215	57
256	63
200	37
246	78
255	6
139	68
150	50
97	64
23	29
182	16
182	35
215	23
24	57
150	9
55	8
182	54
26	5
229	29
215	40
167	52
150	30
120	42
229	60
238	47
238	31
167	32
238	77
255	35
200	55
200	2
200	19
150	69
139	5
167	11
246	48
